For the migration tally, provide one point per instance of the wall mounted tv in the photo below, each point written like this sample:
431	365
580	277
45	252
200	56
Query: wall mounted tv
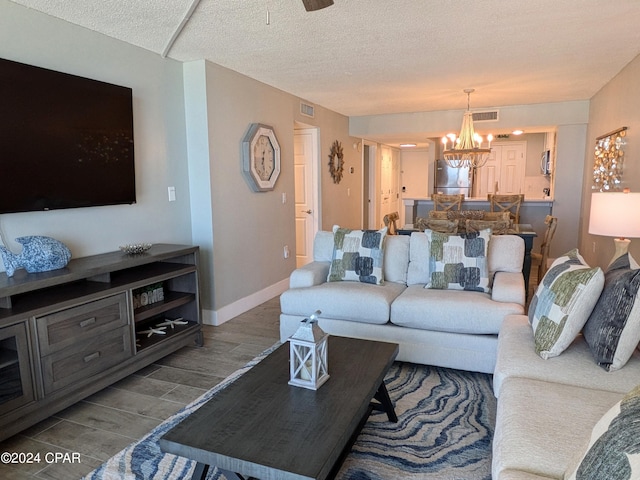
65	141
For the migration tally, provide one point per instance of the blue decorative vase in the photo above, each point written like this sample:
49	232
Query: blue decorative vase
39	254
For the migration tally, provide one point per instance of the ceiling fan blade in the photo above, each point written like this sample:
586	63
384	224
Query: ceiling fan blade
312	5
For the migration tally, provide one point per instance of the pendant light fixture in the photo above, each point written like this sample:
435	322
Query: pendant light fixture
466	149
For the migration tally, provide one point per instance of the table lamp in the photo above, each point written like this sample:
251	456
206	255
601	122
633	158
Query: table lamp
615	214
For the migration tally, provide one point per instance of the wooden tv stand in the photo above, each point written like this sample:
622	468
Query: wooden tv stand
69	333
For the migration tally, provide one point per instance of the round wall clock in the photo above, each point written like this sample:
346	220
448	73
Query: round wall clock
261	157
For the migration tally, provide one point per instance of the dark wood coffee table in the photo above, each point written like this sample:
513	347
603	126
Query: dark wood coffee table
262	427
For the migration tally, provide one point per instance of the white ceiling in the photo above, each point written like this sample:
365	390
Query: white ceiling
362	57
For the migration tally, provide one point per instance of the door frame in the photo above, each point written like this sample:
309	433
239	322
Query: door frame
370	191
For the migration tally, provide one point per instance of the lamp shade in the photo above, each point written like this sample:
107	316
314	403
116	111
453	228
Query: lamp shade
615	214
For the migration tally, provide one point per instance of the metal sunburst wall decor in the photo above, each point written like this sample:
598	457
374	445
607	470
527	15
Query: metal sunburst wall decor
609	160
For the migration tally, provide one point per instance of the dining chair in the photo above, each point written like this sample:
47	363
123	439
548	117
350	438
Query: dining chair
541	258
447	202
390	220
441	225
498	227
506	203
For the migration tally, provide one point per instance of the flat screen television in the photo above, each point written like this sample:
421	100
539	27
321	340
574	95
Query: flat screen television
65	141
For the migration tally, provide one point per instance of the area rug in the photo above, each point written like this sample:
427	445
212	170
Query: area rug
444	431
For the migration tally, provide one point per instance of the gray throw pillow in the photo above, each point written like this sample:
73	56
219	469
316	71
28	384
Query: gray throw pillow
614	445
613	329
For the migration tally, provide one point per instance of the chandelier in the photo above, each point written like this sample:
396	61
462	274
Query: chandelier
466	150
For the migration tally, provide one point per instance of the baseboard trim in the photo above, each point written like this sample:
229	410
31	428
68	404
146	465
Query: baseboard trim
226	313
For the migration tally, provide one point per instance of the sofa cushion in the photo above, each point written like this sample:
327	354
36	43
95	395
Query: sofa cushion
506	254
459	262
355	301
396	258
419	252
613	329
450	311
357	255
614	449
323	246
517	358
563	302
540	425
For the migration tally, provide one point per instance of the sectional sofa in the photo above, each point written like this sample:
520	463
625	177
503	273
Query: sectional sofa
566	376
577	406
435	326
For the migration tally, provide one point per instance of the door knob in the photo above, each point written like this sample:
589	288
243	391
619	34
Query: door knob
308	211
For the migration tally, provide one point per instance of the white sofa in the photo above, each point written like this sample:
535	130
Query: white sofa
449	328
548	408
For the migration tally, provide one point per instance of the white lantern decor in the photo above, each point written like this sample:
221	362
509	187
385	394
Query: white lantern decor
308	355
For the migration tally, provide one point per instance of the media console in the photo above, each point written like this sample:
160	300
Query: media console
69	333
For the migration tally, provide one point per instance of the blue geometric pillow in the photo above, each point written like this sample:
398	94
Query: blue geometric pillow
357	255
613	329
459	262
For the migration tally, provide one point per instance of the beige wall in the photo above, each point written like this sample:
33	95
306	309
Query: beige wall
189	121
31	37
617	104
242	232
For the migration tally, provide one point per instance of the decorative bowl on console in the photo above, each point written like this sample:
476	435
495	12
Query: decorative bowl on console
135	248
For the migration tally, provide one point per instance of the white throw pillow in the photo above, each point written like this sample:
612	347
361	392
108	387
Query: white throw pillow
563	302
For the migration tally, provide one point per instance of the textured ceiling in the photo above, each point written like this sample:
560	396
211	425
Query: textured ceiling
361	57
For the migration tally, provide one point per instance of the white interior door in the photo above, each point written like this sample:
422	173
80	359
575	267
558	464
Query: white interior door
504	171
512	168
306	193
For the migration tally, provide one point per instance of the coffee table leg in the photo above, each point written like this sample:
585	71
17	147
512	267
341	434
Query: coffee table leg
233	475
200	472
382	395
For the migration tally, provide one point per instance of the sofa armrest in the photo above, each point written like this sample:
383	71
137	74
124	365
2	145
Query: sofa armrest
308	275
508	287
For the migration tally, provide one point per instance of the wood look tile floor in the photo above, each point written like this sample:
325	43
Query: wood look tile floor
104	423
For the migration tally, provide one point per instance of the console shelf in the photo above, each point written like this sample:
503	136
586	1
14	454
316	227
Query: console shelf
71	332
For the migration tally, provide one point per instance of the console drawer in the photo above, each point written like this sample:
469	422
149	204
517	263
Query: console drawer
86	359
67	327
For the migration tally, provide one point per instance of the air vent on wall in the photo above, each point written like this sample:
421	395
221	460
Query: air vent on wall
307	110
488	116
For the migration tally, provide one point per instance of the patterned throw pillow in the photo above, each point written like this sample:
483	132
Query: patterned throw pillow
563	302
613	451
459	262
613	329
357	255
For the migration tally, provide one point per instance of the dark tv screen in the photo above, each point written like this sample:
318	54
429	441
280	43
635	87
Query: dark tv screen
65	141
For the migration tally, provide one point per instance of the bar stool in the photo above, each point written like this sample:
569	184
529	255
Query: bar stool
541	258
390	220
506	203
447	202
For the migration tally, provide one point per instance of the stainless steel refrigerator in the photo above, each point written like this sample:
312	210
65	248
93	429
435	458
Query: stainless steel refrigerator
450	181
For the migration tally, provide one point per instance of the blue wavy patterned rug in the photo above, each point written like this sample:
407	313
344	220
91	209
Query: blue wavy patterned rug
444	431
